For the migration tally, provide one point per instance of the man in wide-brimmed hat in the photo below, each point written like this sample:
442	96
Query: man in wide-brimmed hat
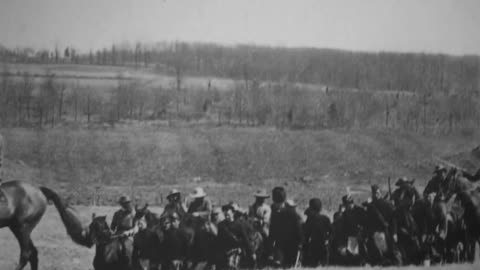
174	204
123	223
406	194
123	219
201	205
261	211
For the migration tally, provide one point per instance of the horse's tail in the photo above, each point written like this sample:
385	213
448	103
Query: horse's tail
75	228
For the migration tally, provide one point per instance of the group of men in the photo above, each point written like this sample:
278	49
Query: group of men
377	232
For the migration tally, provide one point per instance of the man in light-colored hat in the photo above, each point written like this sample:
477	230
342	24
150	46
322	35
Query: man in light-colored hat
174	204
261	211
201	206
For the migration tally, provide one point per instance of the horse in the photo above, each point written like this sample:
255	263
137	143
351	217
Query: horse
464	206
468	194
110	253
21	208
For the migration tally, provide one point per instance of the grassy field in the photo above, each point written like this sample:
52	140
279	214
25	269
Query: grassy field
58	252
97	165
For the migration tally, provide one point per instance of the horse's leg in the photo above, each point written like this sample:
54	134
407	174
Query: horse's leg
33	256
23	238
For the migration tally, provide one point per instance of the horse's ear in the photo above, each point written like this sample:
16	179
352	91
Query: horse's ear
145	207
94	216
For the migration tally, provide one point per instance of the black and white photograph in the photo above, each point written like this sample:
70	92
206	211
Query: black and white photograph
239	134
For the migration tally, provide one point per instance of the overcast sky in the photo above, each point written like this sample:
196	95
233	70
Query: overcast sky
446	26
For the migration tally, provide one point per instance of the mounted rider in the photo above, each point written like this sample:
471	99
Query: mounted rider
439	177
123	223
406	194
123	219
174	204
201	206
261	212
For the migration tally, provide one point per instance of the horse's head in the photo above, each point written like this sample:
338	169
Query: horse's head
99	231
141	212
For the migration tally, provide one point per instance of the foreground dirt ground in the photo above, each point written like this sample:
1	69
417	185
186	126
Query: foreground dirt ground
58	252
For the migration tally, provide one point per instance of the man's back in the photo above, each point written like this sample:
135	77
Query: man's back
317	228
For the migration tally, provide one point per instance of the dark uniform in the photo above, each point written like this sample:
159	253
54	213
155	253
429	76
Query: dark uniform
406	194
407	235
174	207
380	227
317	230
286	233
176	242
353	225
233	240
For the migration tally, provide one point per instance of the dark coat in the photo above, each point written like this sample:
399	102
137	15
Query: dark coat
380	215
176	242
232	235
353	221
317	230
286	227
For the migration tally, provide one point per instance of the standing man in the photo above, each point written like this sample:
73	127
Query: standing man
289	236
353	223
379	228
260	212
233	240
317	231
